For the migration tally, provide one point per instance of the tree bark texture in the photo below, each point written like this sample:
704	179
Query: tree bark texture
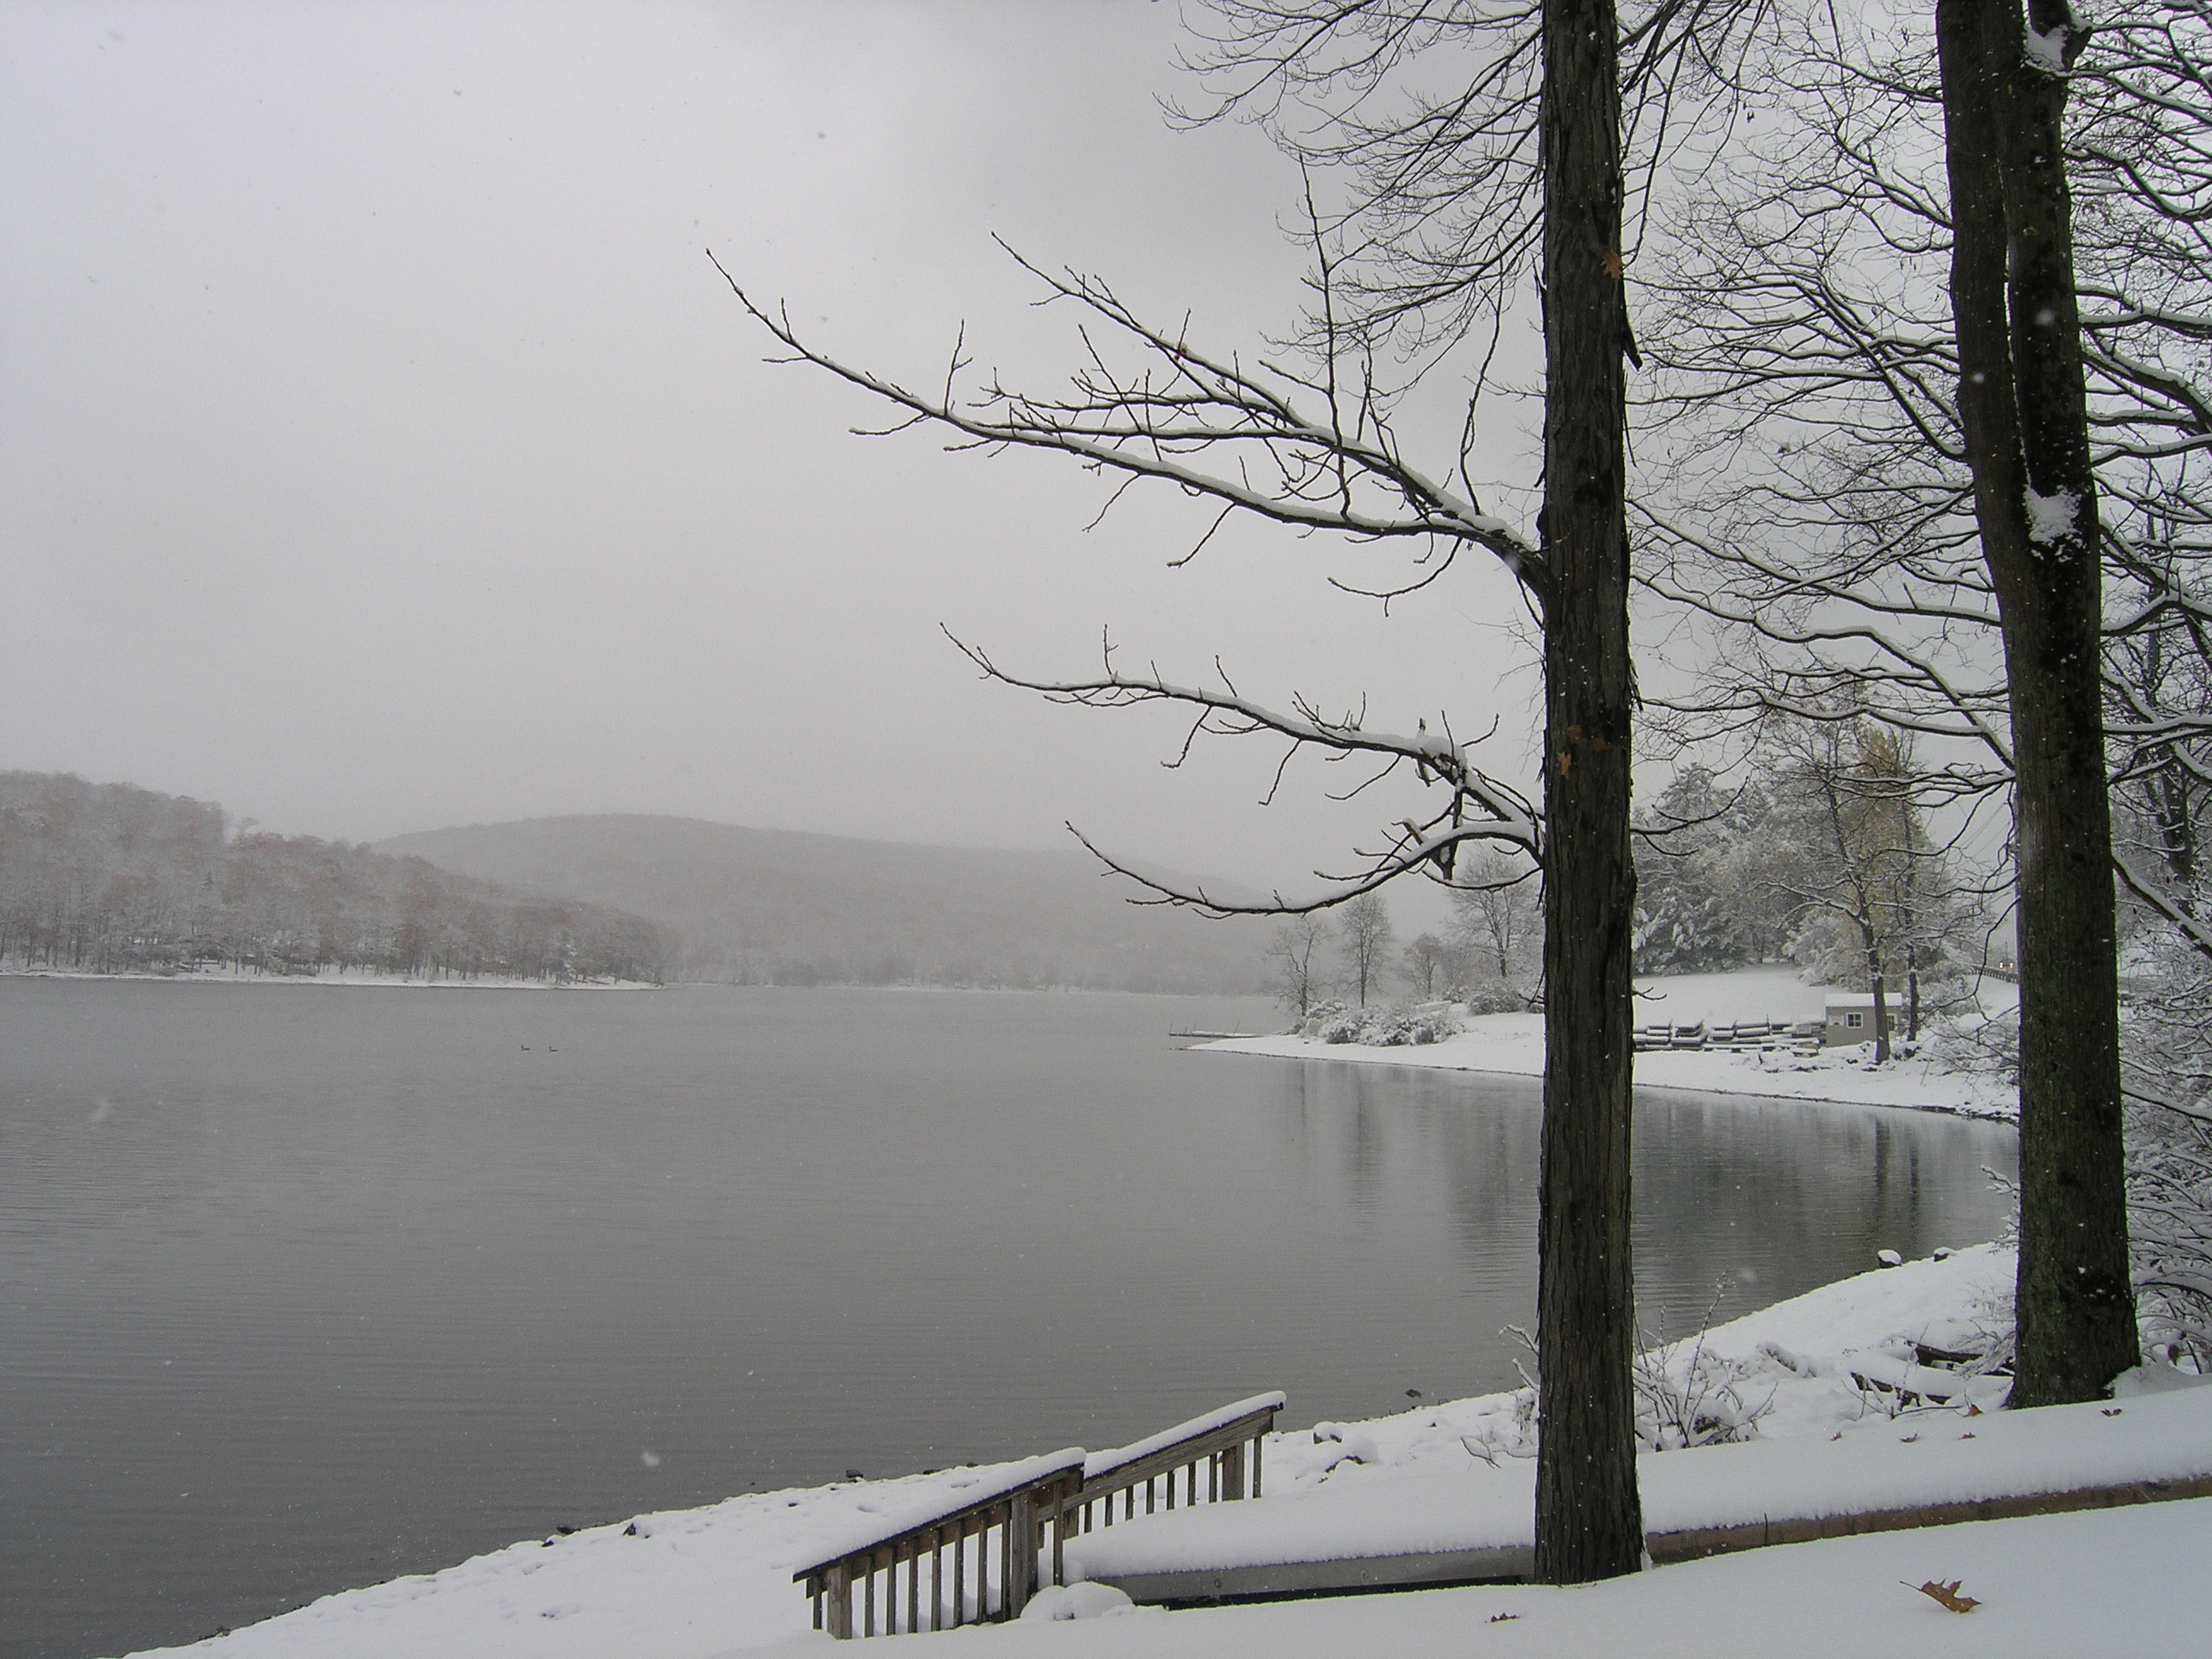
2024	412
1589	1519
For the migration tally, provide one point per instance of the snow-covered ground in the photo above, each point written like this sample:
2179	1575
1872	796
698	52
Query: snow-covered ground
702	1583
1513	1045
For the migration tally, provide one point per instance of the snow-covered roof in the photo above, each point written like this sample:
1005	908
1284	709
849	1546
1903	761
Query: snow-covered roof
1847	1000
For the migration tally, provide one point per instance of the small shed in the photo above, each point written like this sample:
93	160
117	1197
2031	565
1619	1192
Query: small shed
1850	1017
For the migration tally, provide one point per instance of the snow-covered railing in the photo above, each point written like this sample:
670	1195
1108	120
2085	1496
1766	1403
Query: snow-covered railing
1018	1502
1014	1501
1218	1440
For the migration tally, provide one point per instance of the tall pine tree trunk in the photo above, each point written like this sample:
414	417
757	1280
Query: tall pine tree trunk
2024	411
1588	1520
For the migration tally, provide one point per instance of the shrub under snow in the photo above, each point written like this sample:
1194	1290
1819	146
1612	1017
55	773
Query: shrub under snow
1382	1028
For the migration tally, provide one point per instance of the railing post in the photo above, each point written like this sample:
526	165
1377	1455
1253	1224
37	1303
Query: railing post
1232	1471
959	1575
1022	1553
839	1580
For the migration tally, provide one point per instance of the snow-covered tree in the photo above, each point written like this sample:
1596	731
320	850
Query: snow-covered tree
1517	168
1937	350
1707	866
1874	899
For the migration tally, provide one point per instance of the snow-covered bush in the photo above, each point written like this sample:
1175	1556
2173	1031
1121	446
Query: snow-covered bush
2166	1063
1382	1028
1688	1396
2169	1172
2166	1047
1499	998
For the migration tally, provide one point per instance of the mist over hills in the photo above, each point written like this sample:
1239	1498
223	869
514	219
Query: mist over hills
789	907
111	878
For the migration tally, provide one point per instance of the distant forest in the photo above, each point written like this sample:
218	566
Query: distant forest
112	878
777	907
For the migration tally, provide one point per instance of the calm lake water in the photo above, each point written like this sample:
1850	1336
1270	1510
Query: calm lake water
303	1287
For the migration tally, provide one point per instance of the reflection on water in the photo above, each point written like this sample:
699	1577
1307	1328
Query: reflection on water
309	1287
1740	1201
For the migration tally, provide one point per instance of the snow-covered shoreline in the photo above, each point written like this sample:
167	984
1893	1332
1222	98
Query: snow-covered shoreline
697	1584
351	976
1512	1045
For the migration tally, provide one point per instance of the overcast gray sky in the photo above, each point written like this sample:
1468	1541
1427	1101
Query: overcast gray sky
379	449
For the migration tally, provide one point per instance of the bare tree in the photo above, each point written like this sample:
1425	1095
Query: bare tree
2023	406
1364	935
1295	950
1861	862
1914	442
1425	957
1525	159
1499	909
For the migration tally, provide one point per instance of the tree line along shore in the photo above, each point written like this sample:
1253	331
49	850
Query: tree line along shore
111	878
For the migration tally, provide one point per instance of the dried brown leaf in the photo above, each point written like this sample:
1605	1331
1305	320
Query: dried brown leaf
1947	1596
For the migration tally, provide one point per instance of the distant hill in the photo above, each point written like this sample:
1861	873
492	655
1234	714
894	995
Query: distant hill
108	877
779	906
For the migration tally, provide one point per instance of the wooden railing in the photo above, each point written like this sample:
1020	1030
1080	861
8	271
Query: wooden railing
1066	1492
1014	1504
1218	1440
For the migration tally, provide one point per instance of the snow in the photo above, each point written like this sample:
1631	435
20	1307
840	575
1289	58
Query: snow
1912	1461
1420	1481
1078	1601
717	1580
1513	1045
2124	1581
970	1487
2051	517
2046	50
1102	1462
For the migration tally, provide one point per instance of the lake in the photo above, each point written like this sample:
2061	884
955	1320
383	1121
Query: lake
303	1287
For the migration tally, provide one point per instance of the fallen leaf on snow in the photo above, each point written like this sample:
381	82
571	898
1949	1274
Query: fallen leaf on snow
1947	1596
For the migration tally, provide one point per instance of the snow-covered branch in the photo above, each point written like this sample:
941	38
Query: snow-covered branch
1477	806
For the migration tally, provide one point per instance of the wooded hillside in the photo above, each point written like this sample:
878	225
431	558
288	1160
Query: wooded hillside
112	878
782	907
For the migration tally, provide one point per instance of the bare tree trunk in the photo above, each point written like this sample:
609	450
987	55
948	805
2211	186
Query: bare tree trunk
2024	409
1874	980
1588	1519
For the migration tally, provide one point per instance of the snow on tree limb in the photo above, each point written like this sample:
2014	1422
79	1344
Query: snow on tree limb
1343	473
1479	807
